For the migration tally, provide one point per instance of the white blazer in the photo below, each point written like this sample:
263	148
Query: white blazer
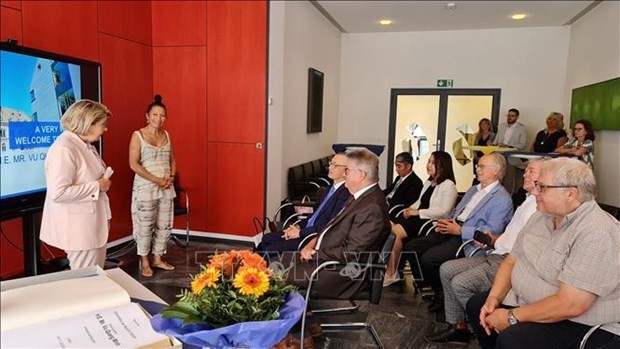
76	214
442	200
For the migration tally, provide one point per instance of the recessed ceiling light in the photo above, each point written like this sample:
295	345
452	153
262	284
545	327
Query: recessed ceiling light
385	22
518	16
450	6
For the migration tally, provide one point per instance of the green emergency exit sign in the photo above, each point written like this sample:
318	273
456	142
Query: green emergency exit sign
445	83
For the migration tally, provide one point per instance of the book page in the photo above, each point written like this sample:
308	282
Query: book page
59	299
126	326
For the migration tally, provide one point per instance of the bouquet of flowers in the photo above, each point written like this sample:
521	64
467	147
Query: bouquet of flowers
236	301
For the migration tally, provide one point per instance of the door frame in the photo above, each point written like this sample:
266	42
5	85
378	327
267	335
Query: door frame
443	94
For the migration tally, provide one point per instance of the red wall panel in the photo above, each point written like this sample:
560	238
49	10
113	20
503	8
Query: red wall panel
126	19
13	4
236	59
11	258
10	24
235	181
179	76
66	27
127	69
179	23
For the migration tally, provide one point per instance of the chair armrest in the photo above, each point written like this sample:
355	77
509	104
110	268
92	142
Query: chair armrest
305	240
179	190
325	181
462	247
426	228
400	213
395	208
289	219
275	216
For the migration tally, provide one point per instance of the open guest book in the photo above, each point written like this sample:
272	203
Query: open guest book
85	312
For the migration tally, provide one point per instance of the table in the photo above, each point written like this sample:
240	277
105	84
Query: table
488	149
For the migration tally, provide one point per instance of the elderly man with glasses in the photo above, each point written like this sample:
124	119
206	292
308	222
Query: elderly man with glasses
563	274
333	201
355	234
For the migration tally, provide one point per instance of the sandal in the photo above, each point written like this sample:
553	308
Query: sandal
147	271
163	266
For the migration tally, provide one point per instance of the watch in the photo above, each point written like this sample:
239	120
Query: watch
512	320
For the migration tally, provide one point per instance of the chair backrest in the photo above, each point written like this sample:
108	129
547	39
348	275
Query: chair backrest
612	210
377	273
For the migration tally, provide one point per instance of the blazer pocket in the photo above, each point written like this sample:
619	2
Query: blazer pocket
83	207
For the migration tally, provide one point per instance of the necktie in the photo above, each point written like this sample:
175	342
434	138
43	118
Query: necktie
331	222
398	183
316	214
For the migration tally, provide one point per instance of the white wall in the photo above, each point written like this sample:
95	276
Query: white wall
593	56
299	38
528	64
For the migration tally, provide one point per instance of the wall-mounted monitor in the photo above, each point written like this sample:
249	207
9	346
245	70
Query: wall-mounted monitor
36	88
315	101
599	103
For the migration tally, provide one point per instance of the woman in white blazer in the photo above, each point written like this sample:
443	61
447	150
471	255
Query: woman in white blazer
76	213
437	199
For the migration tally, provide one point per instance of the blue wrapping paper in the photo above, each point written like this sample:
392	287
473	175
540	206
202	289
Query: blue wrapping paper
252	334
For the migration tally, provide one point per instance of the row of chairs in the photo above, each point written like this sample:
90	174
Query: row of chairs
306	178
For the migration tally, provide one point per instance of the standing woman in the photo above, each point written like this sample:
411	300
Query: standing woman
151	157
582	143
76	214
437	199
485	136
553	136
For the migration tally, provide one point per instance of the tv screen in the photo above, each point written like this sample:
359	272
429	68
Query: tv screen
315	101
36	88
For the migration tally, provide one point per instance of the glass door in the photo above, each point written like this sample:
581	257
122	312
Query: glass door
425	120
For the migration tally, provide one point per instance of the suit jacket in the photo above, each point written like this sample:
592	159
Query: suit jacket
407	193
274	242
442	200
517	139
493	212
354	235
76	213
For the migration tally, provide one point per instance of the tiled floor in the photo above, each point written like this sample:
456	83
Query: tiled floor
401	319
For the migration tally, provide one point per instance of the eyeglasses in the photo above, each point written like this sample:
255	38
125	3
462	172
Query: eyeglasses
542	188
336	165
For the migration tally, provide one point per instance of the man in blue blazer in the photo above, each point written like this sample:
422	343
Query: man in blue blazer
329	206
485	206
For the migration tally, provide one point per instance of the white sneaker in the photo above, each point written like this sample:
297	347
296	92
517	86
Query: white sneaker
391	279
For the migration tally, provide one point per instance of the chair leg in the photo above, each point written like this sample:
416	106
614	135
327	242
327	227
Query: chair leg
356	325
176	239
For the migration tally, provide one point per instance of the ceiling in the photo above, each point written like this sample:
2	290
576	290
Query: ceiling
363	16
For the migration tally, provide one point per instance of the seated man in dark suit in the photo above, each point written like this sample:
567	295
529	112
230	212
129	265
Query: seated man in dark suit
407	186
355	234
486	206
332	203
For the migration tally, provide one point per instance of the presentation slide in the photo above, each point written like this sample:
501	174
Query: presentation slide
34	93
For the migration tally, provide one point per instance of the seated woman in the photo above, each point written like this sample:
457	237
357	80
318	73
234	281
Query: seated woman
437	199
582	143
553	136
485	136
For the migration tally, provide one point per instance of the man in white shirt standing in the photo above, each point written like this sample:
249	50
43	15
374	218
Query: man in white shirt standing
463	278
511	133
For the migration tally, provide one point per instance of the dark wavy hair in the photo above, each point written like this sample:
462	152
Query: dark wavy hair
156	103
587	125
443	167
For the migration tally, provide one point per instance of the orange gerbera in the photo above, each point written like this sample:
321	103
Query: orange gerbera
251	281
207	278
251	259
223	262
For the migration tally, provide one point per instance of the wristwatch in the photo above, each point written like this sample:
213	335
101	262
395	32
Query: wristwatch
512	320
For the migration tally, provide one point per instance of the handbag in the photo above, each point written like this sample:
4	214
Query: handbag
305	207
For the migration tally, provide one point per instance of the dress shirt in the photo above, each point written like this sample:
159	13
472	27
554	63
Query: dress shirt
475	200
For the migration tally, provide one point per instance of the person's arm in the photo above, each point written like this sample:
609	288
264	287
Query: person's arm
442	201
308	251
572	150
501	285
569	302
521	138
136	165
561	141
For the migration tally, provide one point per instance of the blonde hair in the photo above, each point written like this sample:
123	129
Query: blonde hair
83	114
557	117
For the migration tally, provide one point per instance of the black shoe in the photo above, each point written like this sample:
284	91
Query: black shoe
451	335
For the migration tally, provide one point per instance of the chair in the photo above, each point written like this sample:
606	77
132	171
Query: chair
584	339
181	207
612	210
374	274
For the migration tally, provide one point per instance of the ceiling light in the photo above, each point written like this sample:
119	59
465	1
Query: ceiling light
385	22
518	16
450	6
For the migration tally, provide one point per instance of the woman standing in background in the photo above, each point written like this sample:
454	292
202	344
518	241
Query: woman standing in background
582	143
485	136
553	136
76	214
151	157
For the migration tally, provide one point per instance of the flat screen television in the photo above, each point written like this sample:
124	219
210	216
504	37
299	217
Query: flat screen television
315	101
36	88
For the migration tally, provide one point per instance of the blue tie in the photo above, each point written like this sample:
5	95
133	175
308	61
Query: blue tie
316	214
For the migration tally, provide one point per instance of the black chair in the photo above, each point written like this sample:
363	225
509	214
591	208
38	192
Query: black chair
612	210
584	339
374	273
181	207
